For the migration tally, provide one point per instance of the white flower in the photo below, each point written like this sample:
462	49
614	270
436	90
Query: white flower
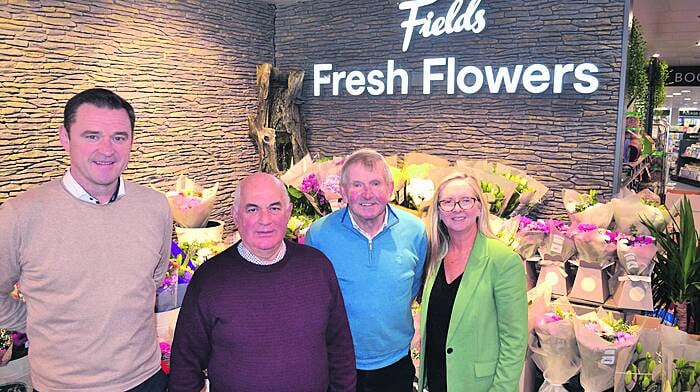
420	189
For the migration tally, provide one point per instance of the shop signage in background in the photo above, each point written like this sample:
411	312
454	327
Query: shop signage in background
689	113
683	76
444	72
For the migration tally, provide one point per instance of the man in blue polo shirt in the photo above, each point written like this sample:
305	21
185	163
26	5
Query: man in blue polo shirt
378	253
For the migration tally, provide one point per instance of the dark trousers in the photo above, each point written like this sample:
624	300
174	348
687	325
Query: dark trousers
397	377
156	383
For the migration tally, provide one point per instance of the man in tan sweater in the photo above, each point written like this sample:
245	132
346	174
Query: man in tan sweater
88	250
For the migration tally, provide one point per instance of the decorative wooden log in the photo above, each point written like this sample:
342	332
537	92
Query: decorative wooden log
277	129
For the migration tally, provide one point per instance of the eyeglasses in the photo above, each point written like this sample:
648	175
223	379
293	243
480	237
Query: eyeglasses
448	205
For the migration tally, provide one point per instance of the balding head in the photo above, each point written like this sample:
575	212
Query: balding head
261	211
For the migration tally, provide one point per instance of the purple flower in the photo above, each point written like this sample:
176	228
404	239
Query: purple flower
613	235
310	184
586	227
19	339
524	221
331	184
641	240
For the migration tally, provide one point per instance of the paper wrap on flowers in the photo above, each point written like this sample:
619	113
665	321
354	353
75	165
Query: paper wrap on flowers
553	346
528	191
678	349
640	361
527	239
633	276
595	248
631	208
585	209
166	294
556	248
15	376
600	358
191	204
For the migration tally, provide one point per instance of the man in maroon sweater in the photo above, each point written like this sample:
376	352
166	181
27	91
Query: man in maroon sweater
266	314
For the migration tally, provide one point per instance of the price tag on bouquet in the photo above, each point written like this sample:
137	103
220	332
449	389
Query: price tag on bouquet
631	262
608	357
557	244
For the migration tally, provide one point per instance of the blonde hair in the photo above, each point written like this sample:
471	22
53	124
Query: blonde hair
438	236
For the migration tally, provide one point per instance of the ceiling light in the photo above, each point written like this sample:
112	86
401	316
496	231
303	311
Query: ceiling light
686	99
685	91
676	93
695	103
656	55
669	96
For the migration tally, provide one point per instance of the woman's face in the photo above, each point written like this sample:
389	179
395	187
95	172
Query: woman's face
458	206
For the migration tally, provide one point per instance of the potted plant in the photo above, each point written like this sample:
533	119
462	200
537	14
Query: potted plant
676	278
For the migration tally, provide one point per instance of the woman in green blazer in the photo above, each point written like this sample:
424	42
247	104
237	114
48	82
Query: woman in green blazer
474	304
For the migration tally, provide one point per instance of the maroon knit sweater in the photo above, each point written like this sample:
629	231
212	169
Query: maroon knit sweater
280	327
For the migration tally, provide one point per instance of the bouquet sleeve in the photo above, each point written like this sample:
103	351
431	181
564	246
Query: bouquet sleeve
593	247
554	350
599	214
600	359
630	210
677	350
189	210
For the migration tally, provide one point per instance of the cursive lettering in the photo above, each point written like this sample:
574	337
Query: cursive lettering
473	19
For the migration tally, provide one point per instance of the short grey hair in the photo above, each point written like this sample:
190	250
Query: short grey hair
237	193
368	158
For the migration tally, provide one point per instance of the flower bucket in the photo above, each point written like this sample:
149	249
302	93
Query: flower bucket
213	232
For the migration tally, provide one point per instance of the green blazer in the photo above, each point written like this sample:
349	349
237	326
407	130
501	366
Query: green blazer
487	337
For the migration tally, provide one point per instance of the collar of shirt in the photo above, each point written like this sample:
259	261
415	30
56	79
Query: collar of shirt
80	193
364	233
248	255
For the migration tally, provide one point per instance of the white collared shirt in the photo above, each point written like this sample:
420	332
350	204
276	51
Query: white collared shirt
364	233
248	255
79	192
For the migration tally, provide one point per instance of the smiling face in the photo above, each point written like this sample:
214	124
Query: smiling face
99	144
367	193
261	214
459	220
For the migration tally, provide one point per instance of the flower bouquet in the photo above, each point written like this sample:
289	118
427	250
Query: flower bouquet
166	294
314	190
529	236
5	346
528	191
190	203
554	350
635	256
186	258
585	208
680	357
630	208
415	181
556	248
14	362
643	373
595	247
603	341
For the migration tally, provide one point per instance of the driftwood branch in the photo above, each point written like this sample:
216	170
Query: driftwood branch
277	128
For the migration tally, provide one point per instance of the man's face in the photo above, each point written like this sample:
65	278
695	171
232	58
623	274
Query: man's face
367	193
99	145
262	215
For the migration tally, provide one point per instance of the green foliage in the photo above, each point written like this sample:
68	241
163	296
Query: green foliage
676	276
586	201
660	75
637	61
494	195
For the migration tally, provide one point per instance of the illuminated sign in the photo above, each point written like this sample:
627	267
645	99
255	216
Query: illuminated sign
444	74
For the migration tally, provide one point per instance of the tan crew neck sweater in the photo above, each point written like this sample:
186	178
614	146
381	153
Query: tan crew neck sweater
89	275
